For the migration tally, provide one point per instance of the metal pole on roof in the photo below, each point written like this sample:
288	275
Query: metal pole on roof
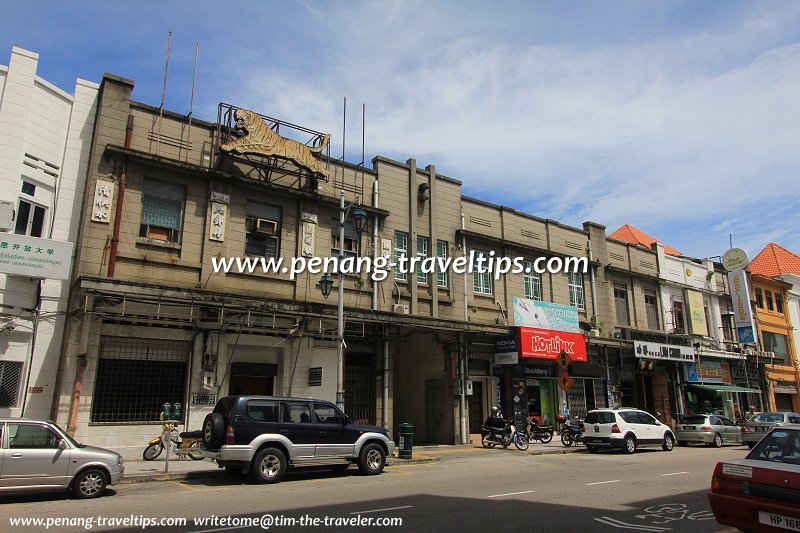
163	94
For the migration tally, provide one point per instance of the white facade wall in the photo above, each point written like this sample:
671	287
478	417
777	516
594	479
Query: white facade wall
680	274
45	138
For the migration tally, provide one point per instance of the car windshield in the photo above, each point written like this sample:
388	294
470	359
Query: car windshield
768	418
779	446
693	420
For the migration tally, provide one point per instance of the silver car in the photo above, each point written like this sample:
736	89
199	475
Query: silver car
712	430
38	455
759	425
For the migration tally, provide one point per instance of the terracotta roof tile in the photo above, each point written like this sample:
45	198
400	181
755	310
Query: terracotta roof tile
775	260
633	235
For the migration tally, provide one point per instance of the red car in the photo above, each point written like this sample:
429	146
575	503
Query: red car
762	491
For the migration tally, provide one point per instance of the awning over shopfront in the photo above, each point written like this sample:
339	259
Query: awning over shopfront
718	387
722	354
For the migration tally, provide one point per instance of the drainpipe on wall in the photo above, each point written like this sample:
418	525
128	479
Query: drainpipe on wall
112	258
375	250
385	407
462	398
464	250
593	287
81	363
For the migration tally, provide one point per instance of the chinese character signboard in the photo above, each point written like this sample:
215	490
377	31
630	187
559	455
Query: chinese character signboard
34	257
103	196
308	232
708	372
666	352
219	217
546	344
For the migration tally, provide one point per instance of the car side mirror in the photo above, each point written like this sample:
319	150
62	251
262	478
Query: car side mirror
62	444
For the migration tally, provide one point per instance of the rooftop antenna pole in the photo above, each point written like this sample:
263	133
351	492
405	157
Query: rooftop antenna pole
191	102
363	141
163	93
344	128
730	236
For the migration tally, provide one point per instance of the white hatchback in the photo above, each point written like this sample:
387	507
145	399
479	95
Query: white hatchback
625	429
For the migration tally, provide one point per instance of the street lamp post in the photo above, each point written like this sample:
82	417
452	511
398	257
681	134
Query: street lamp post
359	217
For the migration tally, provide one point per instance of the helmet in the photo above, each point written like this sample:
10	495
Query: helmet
495	410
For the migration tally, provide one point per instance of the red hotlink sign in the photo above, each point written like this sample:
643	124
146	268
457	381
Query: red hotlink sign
547	344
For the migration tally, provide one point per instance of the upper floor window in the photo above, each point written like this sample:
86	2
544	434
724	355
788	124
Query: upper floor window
532	281
262	230
779	302
400	250
575	280
422	254
770	306
678	322
351	244
651	308
162	210
621	303
481	277
31	215
759	298
441	274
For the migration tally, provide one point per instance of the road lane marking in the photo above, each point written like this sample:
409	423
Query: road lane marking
511	494
674	474
602	482
381	510
607	520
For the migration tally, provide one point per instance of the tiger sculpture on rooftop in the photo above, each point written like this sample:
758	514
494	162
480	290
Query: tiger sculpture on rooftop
260	139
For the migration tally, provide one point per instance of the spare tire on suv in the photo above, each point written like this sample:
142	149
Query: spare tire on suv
213	431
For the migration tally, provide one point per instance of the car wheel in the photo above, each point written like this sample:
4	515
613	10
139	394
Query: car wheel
668	444
213	431
630	444
592	449
152	451
89	483
566	439
682	443
717	441
269	465
372	459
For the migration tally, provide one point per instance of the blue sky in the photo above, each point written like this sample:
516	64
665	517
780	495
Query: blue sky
681	118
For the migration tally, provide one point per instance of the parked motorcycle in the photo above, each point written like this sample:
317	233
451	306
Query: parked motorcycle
571	433
186	443
493	436
540	433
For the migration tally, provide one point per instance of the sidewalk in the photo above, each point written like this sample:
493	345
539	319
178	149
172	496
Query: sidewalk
137	471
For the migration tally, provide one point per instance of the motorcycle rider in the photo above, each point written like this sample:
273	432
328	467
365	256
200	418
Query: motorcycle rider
495	422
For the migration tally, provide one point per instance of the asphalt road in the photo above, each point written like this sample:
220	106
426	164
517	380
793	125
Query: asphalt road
477	489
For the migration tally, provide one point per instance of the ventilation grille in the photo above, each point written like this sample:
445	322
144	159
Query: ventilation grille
573	245
617	257
169	140
532	235
647	264
40	164
10	374
480	221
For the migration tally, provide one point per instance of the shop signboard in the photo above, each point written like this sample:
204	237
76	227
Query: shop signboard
536	314
34	257
547	344
708	372
697	313
505	350
663	352
743	312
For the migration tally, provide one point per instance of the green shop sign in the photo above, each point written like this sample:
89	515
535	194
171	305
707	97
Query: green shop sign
22	255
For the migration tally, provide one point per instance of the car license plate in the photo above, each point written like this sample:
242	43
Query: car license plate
689	427
777	520
597	429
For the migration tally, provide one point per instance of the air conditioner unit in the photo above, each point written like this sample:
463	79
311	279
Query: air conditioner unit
594	332
266	226
400	309
617	334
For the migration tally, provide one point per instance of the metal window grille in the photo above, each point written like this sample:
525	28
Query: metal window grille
577	399
400	249
441	251
135	377
575	280
10	376
532	281
422	254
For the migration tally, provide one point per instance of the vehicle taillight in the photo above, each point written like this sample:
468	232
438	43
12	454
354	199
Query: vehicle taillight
724	484
705	428
229	435
615	429
745	429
